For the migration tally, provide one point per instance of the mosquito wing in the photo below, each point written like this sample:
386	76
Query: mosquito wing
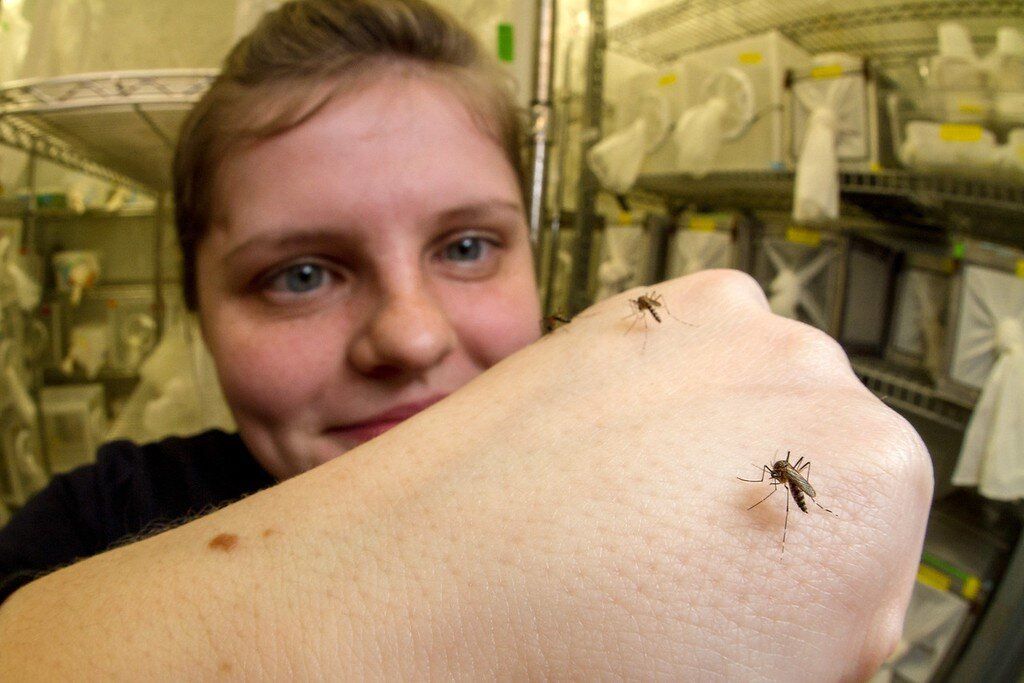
797	480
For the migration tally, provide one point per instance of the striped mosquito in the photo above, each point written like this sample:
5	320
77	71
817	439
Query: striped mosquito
791	476
649	302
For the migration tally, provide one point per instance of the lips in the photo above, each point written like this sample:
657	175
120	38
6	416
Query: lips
376	425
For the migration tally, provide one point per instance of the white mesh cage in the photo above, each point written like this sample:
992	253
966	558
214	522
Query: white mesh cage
989	351
987	297
918	327
623	259
800	279
867	301
701	242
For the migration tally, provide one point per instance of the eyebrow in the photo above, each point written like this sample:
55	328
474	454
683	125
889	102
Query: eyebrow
478	210
300	238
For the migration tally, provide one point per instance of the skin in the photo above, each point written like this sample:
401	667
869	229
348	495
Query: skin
362	297
588	524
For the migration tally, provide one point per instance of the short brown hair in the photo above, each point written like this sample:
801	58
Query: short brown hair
299	57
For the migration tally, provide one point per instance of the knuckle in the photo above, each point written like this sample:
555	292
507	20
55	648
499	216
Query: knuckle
730	287
811	350
908	460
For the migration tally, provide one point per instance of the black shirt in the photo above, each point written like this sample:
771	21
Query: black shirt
130	491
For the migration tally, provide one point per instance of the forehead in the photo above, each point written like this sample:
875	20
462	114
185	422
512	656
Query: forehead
400	142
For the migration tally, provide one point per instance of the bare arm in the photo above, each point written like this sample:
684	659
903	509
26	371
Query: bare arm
573	510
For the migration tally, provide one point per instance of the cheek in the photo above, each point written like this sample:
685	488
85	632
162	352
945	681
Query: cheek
271	372
498	321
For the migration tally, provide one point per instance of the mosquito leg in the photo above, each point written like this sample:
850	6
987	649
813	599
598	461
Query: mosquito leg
665	306
765	498
764	469
824	508
807	466
632	324
785	526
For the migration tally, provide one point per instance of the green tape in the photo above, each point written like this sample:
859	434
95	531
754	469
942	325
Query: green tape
942	565
506	43
958	250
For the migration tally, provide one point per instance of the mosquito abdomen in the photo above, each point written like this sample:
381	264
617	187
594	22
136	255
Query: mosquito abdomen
798	496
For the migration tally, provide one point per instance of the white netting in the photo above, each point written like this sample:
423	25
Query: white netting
989	352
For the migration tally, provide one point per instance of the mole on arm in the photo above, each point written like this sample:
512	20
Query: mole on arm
225	542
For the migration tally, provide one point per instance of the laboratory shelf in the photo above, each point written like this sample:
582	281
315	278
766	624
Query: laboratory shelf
909	390
752	190
976	207
56	377
119	126
926	189
169	86
34	140
17	208
883	30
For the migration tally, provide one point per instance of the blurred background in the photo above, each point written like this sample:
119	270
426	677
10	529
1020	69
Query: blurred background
864	161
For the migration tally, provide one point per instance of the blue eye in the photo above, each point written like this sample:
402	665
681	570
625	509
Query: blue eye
300	278
465	249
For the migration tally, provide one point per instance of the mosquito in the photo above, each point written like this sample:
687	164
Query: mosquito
646	303
551	322
791	476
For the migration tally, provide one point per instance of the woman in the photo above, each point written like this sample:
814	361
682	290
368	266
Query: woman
355	247
350	212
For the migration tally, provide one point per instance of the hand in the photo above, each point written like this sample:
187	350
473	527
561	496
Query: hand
651	545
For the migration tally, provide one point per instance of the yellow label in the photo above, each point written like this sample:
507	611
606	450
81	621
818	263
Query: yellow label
1020	152
811	238
933	577
958	132
876	167
829	71
703	223
625	217
751	57
972	586
667	79
1020	267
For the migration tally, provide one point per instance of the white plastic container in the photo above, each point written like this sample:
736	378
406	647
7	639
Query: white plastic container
750	74
702	242
74	421
843	79
947	146
624	250
669	86
957	79
1006	75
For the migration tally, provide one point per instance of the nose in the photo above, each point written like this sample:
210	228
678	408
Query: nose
406	334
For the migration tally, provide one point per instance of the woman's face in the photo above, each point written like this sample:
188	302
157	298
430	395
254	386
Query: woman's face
359	268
